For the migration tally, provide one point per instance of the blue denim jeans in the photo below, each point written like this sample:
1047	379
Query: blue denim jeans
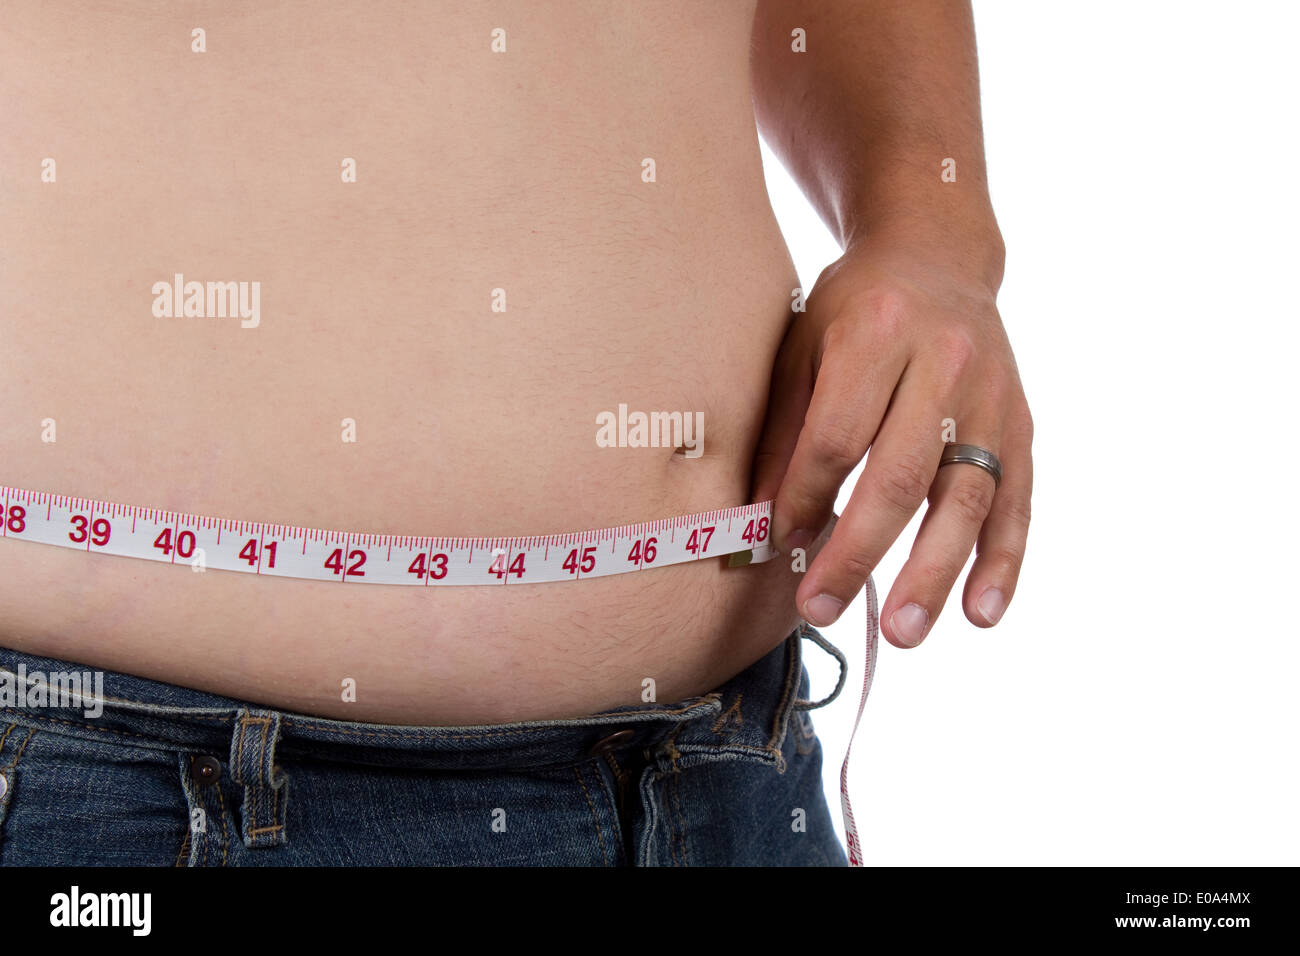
167	775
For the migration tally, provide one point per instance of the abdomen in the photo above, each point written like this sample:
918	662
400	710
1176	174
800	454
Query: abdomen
432	345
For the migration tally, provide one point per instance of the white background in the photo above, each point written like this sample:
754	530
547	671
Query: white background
1138	703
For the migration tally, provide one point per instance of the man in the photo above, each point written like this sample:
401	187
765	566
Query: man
461	236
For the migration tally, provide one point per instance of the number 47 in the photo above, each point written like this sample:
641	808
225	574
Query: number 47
694	545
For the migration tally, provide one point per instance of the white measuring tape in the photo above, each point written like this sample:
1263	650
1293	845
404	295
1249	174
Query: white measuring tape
274	550
742	534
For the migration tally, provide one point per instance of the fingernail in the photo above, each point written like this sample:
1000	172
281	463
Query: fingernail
797	539
991	604
822	610
908	624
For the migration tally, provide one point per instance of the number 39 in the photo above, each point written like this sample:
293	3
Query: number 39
99	530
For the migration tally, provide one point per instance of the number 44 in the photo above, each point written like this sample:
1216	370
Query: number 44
498	565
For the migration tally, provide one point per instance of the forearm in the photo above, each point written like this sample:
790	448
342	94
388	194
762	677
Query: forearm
865	119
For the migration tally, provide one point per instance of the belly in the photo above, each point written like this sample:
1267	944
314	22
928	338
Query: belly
458	259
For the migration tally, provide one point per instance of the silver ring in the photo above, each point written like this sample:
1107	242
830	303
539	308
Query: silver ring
973	455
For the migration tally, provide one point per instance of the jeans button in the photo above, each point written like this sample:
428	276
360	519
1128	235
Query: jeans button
207	769
612	741
4	785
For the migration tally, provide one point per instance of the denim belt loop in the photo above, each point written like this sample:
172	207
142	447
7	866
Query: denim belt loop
808	632
266	787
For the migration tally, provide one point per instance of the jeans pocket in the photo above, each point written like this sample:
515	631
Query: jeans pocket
14	739
72	801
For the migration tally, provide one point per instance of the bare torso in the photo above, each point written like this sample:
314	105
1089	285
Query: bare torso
475	171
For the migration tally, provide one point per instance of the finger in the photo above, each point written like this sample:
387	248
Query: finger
897	477
848	403
1000	550
960	501
787	403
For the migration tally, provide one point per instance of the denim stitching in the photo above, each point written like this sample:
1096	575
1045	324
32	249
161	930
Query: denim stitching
794	672
670	825
226	833
26	740
239	750
619	776
103	730
263	756
723	720
616	803
13	764
203	846
675	786
254	797
741	750
630	717
646	798
594	819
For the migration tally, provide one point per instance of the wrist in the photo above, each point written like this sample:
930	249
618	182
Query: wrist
968	251
943	223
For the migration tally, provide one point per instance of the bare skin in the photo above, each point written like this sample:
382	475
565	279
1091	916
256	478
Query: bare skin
902	348
476	171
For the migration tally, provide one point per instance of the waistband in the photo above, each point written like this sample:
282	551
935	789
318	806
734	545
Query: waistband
747	718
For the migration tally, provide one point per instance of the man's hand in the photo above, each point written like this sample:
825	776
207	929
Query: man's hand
898	338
